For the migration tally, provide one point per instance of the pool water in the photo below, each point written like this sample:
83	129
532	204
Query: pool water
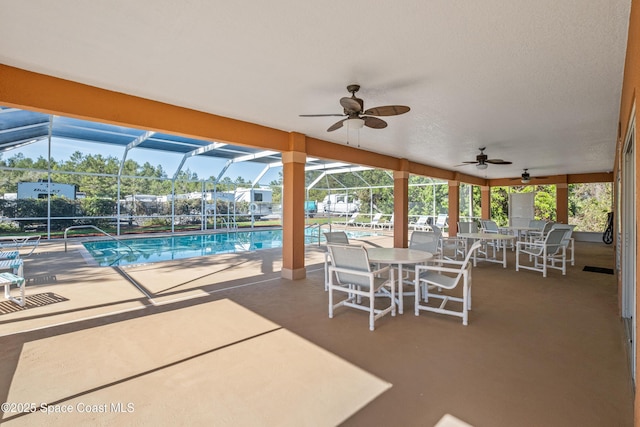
154	249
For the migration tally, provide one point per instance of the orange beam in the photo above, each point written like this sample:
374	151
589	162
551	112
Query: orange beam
38	92
400	208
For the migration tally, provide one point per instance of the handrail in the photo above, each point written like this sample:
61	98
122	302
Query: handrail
319	226
96	228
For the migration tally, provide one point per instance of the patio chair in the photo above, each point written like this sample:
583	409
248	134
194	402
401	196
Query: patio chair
422	223
11	243
544	253
450	247
388	224
336	238
374	223
351	274
489	226
467	227
8	279
567	240
538	232
441	221
427	241
447	275
352	220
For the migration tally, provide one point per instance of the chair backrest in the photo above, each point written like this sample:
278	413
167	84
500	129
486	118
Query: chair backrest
489	226
351	257
547	227
422	220
426	241
568	231
376	218
441	221
436	229
339	237
353	218
467	227
466	264
553	241
538	224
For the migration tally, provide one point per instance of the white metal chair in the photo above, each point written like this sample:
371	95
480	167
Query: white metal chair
336	238
489	226
351	273
567	240
375	221
467	227
544	253
441	221
388	224
538	232
422	223
352	220
446	275
450	247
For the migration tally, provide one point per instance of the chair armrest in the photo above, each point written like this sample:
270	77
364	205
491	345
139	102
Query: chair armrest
381	270
538	244
436	268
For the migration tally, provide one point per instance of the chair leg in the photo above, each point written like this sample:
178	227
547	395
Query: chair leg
372	314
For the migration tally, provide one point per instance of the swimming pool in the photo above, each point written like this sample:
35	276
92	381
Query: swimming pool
154	249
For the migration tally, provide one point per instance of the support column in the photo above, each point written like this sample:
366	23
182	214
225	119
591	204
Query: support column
485	202
293	194
562	203
400	208
454	207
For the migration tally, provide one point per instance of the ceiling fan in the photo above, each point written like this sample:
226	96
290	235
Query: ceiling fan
482	160
356	117
525	178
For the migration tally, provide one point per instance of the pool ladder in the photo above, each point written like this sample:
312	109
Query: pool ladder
103	232
319	228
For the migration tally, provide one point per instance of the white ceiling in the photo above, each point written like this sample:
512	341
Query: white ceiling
536	82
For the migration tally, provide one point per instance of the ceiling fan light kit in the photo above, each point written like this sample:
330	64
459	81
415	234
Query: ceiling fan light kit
357	116
354	123
482	166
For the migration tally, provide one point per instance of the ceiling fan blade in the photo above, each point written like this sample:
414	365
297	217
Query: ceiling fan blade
374	122
351	105
470	162
465	164
388	110
498	162
336	125
321	115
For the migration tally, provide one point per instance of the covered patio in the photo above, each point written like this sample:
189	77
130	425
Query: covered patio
536	351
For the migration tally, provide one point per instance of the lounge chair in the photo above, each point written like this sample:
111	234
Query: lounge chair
422	224
352	220
441	221
374	223
15	243
8	279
